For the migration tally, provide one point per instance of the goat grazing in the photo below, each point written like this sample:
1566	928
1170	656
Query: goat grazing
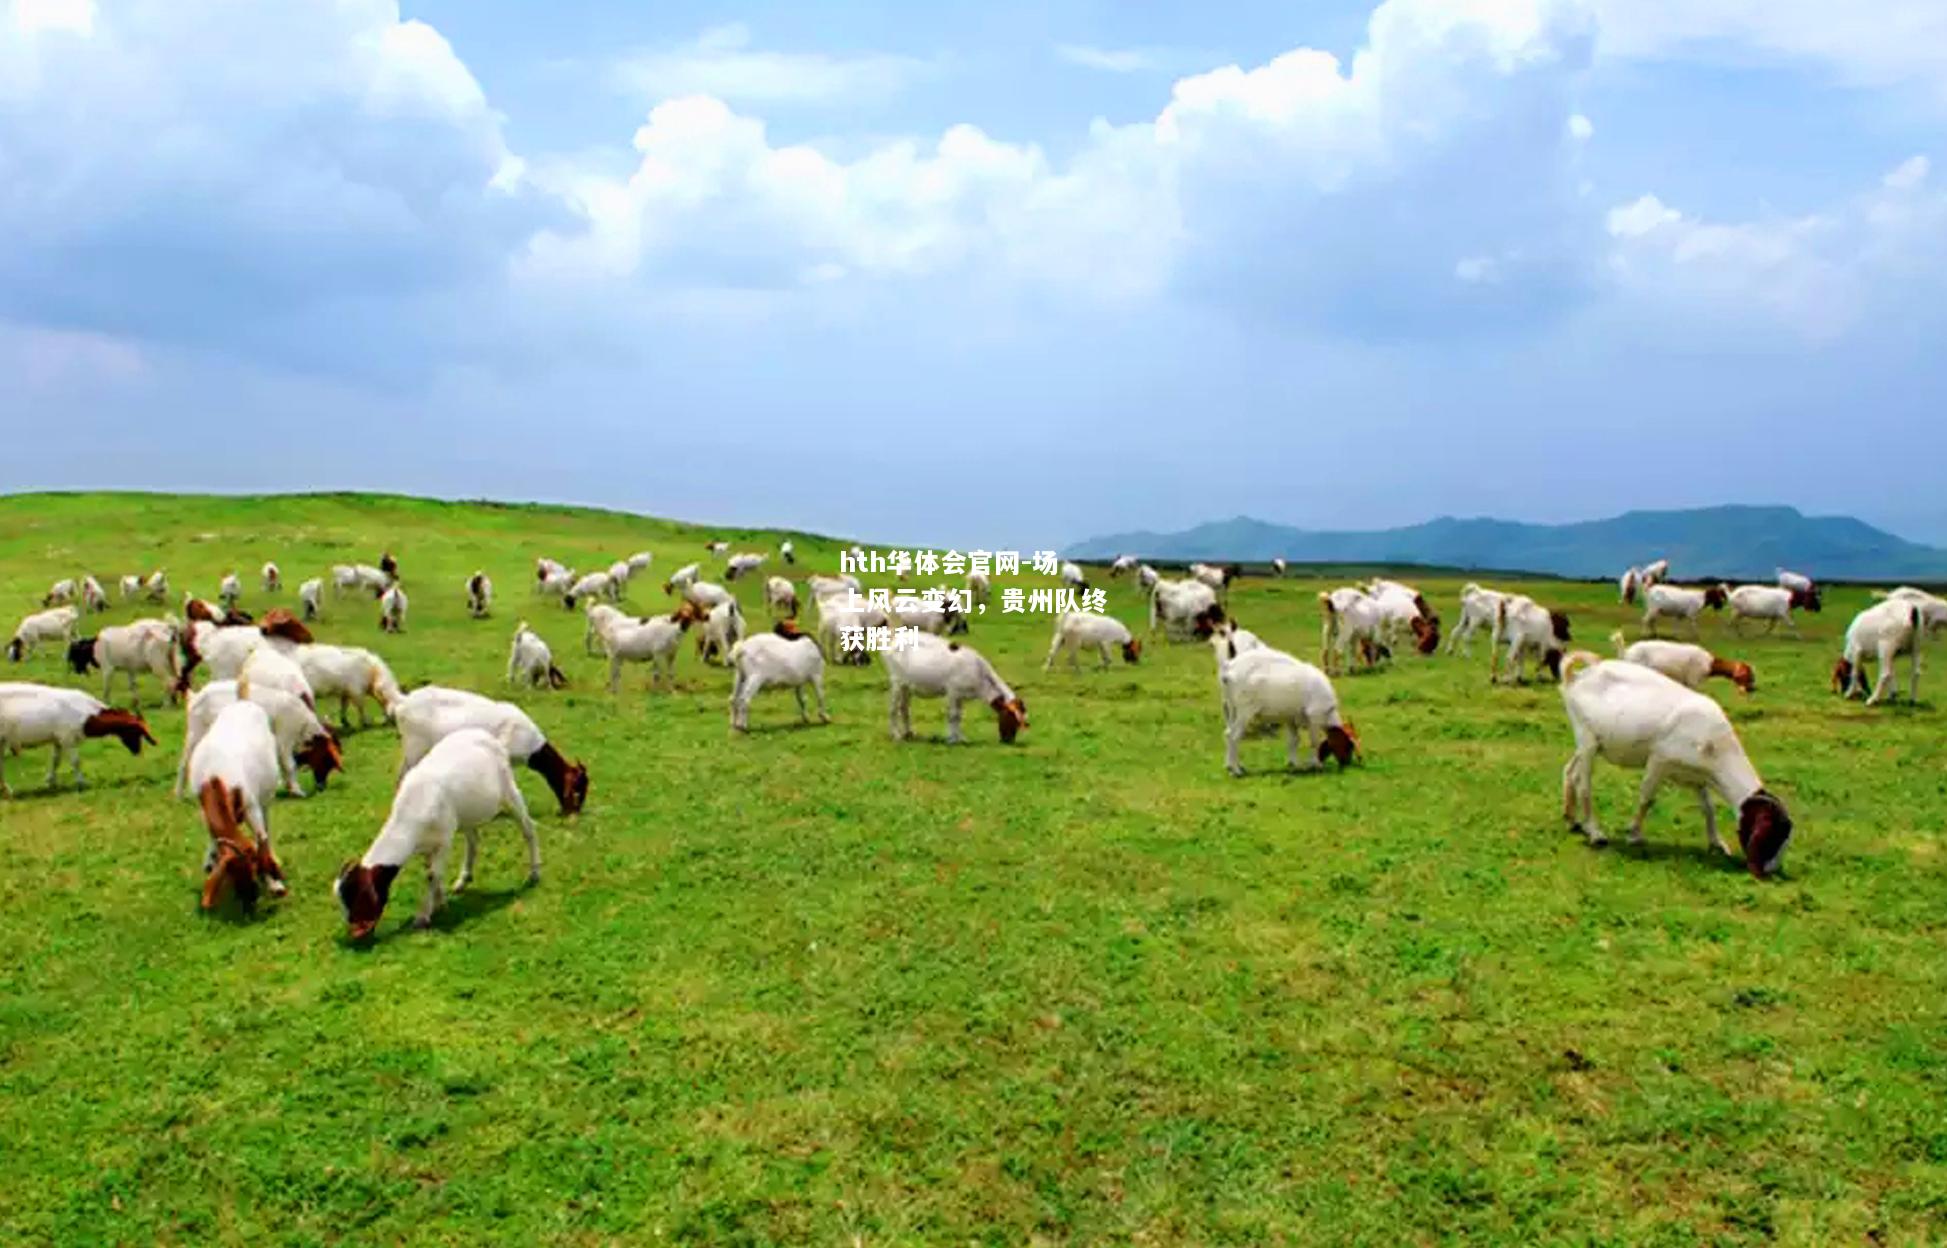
54	625
32	715
430	713
1079	630
934	668
1881	633
1528	628
1684	663
234	770
1266	686
299	735
465	781
1636	717
530	662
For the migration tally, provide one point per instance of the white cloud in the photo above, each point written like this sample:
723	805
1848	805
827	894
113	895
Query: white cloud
1911	173
721	63
1883	43
1301	185
1635	219
201	170
72	16
1108	60
1580	128
1815	275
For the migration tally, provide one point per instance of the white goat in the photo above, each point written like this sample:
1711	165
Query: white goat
298	732
1636	717
60	593
464	782
54	625
846	610
681	578
351	675
392	609
1672	602
639	562
1478	607
1350	617
1266	686
1183	608
142	646
276	667
229	590
786	551
1073	576
781	596
600	615
742	563
653	640
93	596
722	628
1121	564
1528	628
1881	633
156	587
707	594
1794	580
234	772
1684	663
530	662
310	597
346	577
1933	608
592	586
785	658
32	715
980	589
934	668
1079	630
1770	603
273	579
131	586
430	713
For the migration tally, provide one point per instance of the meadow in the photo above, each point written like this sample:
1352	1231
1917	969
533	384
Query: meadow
812	987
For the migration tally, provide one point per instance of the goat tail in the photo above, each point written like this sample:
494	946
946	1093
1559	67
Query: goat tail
1574	663
1619	641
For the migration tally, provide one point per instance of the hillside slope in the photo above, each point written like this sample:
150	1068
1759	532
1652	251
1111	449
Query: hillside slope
1732	541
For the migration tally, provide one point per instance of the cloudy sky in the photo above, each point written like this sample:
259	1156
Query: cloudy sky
1016	272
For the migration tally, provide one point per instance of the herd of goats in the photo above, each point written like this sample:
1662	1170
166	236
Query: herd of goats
256	720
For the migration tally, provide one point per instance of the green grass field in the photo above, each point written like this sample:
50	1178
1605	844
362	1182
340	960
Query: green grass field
812	987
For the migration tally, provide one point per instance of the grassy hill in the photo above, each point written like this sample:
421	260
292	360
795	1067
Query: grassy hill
810	986
1732	542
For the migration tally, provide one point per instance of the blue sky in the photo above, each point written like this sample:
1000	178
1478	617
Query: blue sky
1015	273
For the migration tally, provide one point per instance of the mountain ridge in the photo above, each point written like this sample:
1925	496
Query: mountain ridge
1734	540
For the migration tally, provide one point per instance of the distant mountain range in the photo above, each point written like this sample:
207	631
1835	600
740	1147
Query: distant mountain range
1730	542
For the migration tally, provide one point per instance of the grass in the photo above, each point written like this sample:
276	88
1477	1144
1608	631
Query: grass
813	987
